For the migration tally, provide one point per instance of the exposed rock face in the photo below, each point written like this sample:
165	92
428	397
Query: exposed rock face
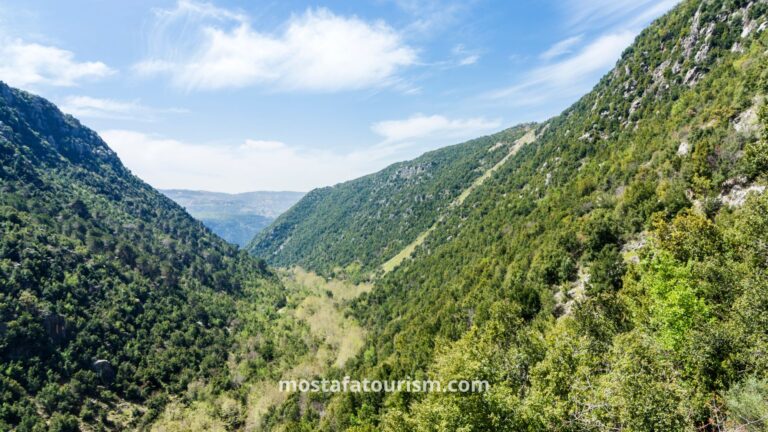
738	195
65	137
748	122
688	59
411	171
105	371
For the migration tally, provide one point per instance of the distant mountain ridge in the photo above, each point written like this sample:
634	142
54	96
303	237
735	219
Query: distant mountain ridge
237	218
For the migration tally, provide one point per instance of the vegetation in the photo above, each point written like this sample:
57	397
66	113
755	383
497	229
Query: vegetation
309	337
354	227
113	299
609	276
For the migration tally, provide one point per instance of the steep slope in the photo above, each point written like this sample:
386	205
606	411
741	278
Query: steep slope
407	252
609	276
358	225
113	298
236	218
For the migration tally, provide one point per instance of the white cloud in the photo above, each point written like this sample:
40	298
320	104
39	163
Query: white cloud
259	145
253	165
607	13
89	107
203	48
431	17
465	56
561	48
432	127
571	76
273	165
24	64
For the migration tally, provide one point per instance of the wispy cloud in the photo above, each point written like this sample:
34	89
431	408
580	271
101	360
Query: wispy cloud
561	48
26	64
602	14
569	77
572	66
201	47
89	107
251	165
274	165
433	127
431	17
465	57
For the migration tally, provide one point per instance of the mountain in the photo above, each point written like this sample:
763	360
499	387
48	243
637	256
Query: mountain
358	226
604	270
114	300
236	218
610	275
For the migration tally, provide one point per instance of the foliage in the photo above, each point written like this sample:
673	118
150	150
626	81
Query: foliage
638	290
367	221
748	405
111	294
599	279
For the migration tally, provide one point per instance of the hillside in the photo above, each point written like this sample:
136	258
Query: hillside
236	218
357	226
114	300
604	270
609	276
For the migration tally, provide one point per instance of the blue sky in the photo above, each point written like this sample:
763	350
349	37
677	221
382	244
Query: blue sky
237	96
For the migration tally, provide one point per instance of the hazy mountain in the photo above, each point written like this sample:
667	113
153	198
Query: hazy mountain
237	218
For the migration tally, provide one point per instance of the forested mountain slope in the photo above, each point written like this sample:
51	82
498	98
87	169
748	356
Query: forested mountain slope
113	299
612	274
358	225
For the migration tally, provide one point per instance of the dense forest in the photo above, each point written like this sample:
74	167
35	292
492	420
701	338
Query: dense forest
113	298
609	276
354	227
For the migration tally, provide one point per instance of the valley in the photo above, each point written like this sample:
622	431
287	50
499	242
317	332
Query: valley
588	265
314	313
603	270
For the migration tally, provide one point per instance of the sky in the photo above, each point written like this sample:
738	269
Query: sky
245	95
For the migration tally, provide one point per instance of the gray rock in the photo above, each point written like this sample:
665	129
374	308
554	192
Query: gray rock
104	369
